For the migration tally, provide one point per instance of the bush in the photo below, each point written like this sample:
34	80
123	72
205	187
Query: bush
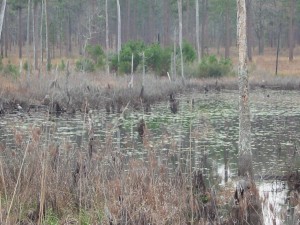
49	66
210	66
62	65
113	59
131	47
188	52
1	64
97	55
11	70
85	65
26	66
158	59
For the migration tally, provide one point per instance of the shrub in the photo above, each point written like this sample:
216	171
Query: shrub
49	66
85	65
113	59
188	52
26	66
11	70
211	66
1	64
62	65
158	59
96	54
131	47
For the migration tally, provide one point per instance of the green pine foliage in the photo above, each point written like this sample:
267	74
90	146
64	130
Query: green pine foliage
157	59
134	48
97	55
85	65
188	52
211	66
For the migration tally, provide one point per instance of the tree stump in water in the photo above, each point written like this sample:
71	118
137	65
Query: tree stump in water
173	104
247	208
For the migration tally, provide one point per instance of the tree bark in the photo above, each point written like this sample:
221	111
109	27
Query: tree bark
187	33
227	30
203	28
166	23
69	34
249	29
119	29
245	154
3	6
28	41
180	35
106	35
5	33
291	29
41	35
197	29
47	35
34	35
20	32
128	35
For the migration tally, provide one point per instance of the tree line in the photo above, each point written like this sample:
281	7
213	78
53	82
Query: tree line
62	28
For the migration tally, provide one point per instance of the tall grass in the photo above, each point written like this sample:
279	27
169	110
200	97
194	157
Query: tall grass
46	183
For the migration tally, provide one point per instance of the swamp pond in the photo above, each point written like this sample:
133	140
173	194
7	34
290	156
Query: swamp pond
203	135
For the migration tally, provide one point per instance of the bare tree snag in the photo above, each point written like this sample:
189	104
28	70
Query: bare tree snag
3	6
245	154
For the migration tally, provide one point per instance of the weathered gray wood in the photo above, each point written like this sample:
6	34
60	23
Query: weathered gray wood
245	154
3	6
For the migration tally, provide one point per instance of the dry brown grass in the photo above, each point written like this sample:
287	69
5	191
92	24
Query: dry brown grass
99	89
109	188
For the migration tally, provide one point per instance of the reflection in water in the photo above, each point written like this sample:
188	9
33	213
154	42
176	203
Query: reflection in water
200	137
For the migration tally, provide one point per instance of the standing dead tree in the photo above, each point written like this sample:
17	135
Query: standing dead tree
3	6
248	206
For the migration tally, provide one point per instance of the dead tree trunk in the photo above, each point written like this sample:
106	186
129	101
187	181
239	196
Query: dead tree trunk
3	6
247	209
245	154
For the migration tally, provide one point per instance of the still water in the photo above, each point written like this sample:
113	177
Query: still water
203	134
